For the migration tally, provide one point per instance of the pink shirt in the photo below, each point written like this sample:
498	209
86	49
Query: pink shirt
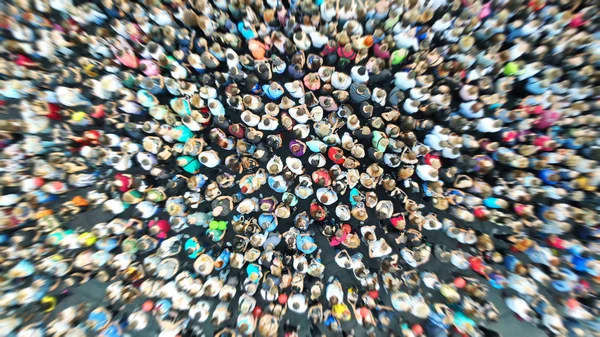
577	21
336	242
546	119
151	68
486	10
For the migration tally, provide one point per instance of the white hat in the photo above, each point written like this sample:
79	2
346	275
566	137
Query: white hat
252	254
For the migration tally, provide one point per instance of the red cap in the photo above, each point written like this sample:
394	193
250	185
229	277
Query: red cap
417	329
572	303
346	228
460	282
282	299
148	306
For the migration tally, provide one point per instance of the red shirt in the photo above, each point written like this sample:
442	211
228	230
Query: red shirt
539	141
125	182
321	174
557	243
577	21
509	136
163	228
479	212
429	158
398	222
316	208
332	152
477	265
53	112
98	112
24	61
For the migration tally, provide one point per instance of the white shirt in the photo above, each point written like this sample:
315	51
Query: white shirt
209	158
424	172
433	141
327	14
518	306
404	40
61	5
402	82
487	125
340	84
465	110
162	18
538	275
115	206
358	78
408	107
294	92
448	152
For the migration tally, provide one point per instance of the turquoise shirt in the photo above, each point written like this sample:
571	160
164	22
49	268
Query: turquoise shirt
186	133
192	164
145	98
186	110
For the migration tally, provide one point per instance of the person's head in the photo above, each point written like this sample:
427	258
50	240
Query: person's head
520	269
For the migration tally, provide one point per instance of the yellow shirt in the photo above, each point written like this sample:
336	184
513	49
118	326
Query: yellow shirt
78	116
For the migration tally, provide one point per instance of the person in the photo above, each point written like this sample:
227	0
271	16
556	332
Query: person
317	121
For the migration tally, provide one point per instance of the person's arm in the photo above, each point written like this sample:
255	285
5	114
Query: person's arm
383	307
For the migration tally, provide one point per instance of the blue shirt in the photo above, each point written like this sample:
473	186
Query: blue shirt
247	33
272	94
580	263
545	176
491	202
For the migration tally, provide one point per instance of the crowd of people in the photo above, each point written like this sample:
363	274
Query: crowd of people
372	167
